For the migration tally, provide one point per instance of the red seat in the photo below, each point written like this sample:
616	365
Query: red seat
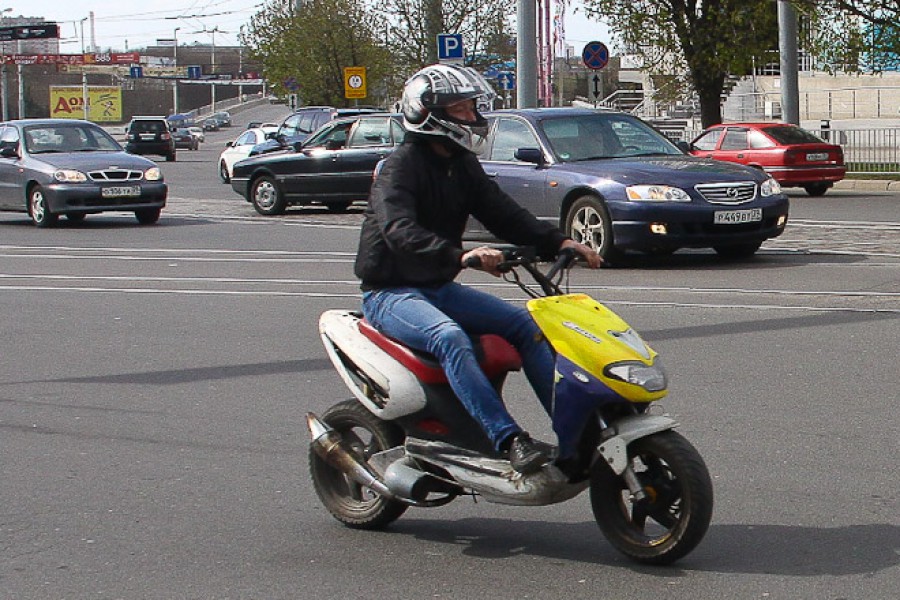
497	356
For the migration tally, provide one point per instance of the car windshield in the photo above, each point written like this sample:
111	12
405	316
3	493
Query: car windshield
791	135
598	136
43	139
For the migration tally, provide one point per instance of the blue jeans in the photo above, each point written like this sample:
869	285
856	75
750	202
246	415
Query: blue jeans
437	320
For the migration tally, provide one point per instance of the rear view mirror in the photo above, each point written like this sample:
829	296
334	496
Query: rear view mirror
530	155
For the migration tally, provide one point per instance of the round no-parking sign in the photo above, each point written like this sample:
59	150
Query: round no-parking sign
595	55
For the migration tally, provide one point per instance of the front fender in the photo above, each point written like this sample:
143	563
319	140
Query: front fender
615	450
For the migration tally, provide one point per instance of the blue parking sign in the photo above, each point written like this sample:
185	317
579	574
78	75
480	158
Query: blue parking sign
450	47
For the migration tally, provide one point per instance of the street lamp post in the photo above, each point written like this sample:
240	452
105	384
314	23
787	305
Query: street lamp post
212	68
3	80
85	104
175	64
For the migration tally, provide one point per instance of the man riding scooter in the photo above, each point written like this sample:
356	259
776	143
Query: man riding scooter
410	252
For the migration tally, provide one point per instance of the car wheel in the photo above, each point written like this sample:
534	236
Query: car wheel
223	172
170	157
816	189
147	216
338	207
266	197
38	209
589	223
737	251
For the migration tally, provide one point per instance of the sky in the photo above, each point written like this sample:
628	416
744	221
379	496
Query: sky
129	24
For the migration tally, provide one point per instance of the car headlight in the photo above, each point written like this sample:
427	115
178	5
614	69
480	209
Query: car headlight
69	176
769	187
656	193
153	174
650	377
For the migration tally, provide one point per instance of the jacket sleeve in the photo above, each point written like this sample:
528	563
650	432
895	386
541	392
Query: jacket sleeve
394	205
506	219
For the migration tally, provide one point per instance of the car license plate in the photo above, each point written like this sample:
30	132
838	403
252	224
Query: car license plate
148	136
814	156
121	191
734	217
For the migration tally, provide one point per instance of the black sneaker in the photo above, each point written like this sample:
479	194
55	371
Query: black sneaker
525	456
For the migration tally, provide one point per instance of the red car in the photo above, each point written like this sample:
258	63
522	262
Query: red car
791	155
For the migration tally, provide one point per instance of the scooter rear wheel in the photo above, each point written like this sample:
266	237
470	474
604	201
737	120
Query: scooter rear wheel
674	516
350	503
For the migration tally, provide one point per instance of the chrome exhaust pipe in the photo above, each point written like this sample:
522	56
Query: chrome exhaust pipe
330	446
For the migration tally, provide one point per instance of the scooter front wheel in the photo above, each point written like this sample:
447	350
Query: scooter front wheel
350	503
675	514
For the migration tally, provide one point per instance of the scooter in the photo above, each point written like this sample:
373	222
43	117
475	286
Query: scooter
404	439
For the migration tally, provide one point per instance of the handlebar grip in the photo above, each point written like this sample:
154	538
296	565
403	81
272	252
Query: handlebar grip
473	262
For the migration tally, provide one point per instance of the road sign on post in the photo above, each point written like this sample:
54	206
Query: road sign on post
355	82
595	55
506	80
450	48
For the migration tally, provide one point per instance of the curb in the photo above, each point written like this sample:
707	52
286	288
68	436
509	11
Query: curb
872	185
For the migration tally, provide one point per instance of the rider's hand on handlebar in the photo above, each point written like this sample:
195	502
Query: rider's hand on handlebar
484	258
589	255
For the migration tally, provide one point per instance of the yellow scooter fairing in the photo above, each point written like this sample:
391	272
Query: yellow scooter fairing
596	339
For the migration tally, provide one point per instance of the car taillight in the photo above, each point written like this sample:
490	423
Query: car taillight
791	157
165	136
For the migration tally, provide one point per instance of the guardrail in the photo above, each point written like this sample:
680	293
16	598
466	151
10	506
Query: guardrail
866	151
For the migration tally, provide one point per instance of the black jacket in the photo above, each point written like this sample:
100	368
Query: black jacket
417	213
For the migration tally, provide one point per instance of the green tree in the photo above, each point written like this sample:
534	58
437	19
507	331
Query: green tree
313	41
711	40
707	39
852	35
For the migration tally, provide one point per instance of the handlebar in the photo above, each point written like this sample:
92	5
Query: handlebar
522	257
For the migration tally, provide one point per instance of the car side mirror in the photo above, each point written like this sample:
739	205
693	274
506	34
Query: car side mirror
9	152
531	155
684	146
229	144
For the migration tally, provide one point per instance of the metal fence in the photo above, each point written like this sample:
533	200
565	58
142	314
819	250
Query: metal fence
866	151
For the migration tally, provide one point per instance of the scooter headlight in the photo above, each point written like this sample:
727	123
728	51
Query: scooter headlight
650	377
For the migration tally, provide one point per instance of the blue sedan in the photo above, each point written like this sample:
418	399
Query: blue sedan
613	182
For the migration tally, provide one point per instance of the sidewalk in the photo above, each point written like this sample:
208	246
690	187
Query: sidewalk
872	185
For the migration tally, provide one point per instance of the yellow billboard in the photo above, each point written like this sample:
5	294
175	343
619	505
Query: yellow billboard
104	103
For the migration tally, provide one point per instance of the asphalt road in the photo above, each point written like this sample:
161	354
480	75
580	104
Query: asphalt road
154	382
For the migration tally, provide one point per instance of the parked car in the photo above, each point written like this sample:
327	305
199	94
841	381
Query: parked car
185	139
301	123
150	135
333	167
53	167
197	132
240	147
792	155
610	180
